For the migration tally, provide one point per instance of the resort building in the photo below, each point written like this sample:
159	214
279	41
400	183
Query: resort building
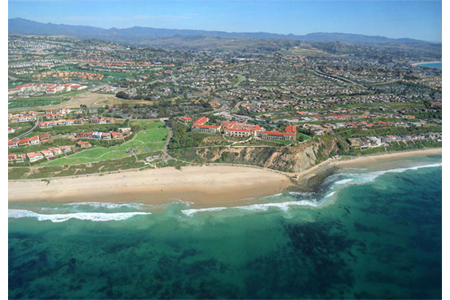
201	121
289	135
199	126
240	129
206	128
185	120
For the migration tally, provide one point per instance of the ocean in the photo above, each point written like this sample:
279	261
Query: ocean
432	65
372	232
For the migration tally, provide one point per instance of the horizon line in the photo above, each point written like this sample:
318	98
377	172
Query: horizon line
231	32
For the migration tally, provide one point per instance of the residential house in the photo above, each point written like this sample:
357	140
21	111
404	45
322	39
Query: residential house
43	124
97	135
55	150
116	135
47	153
66	149
80	135
355	142
13	144
34	156
44	137
12	158
83	144
24	142
34	140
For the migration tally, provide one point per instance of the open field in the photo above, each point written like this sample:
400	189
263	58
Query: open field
152	137
90	99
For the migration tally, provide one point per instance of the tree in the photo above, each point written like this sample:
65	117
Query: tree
122	95
135	128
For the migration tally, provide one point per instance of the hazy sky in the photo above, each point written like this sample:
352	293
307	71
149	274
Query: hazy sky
396	19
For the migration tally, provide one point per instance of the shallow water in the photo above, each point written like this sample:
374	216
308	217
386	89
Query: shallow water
368	233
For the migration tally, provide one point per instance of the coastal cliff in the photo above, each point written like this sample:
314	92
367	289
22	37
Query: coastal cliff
288	159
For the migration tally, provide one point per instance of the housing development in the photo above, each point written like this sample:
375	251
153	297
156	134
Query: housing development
78	106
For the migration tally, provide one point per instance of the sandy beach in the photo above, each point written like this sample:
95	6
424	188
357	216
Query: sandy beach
201	185
364	161
425	62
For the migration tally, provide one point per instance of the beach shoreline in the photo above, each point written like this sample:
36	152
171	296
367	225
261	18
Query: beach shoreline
425	62
362	161
204	185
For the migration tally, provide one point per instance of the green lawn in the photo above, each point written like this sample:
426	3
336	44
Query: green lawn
152	137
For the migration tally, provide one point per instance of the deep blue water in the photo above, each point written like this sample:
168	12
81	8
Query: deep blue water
370	233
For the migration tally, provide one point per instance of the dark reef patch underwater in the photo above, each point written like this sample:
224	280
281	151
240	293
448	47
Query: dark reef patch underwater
380	238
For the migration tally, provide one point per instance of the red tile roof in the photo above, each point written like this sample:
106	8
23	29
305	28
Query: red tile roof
201	121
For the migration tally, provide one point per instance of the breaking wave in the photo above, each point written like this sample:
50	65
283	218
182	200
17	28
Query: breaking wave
254	207
85	216
282	201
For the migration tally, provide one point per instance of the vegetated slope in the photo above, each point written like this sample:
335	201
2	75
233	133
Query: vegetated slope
288	159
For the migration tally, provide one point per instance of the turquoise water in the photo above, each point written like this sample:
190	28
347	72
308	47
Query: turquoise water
368	233
432	65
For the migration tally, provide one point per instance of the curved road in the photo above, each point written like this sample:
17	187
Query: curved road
29	131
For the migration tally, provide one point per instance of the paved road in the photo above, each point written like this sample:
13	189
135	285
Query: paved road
29	131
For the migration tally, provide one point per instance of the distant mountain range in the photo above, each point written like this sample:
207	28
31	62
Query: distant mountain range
142	35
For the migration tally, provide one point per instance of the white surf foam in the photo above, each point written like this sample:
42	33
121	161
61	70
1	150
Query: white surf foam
255	207
361	178
373	175
190	212
58	218
281	205
343	181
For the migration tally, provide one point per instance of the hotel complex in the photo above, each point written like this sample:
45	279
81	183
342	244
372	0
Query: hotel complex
236	129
